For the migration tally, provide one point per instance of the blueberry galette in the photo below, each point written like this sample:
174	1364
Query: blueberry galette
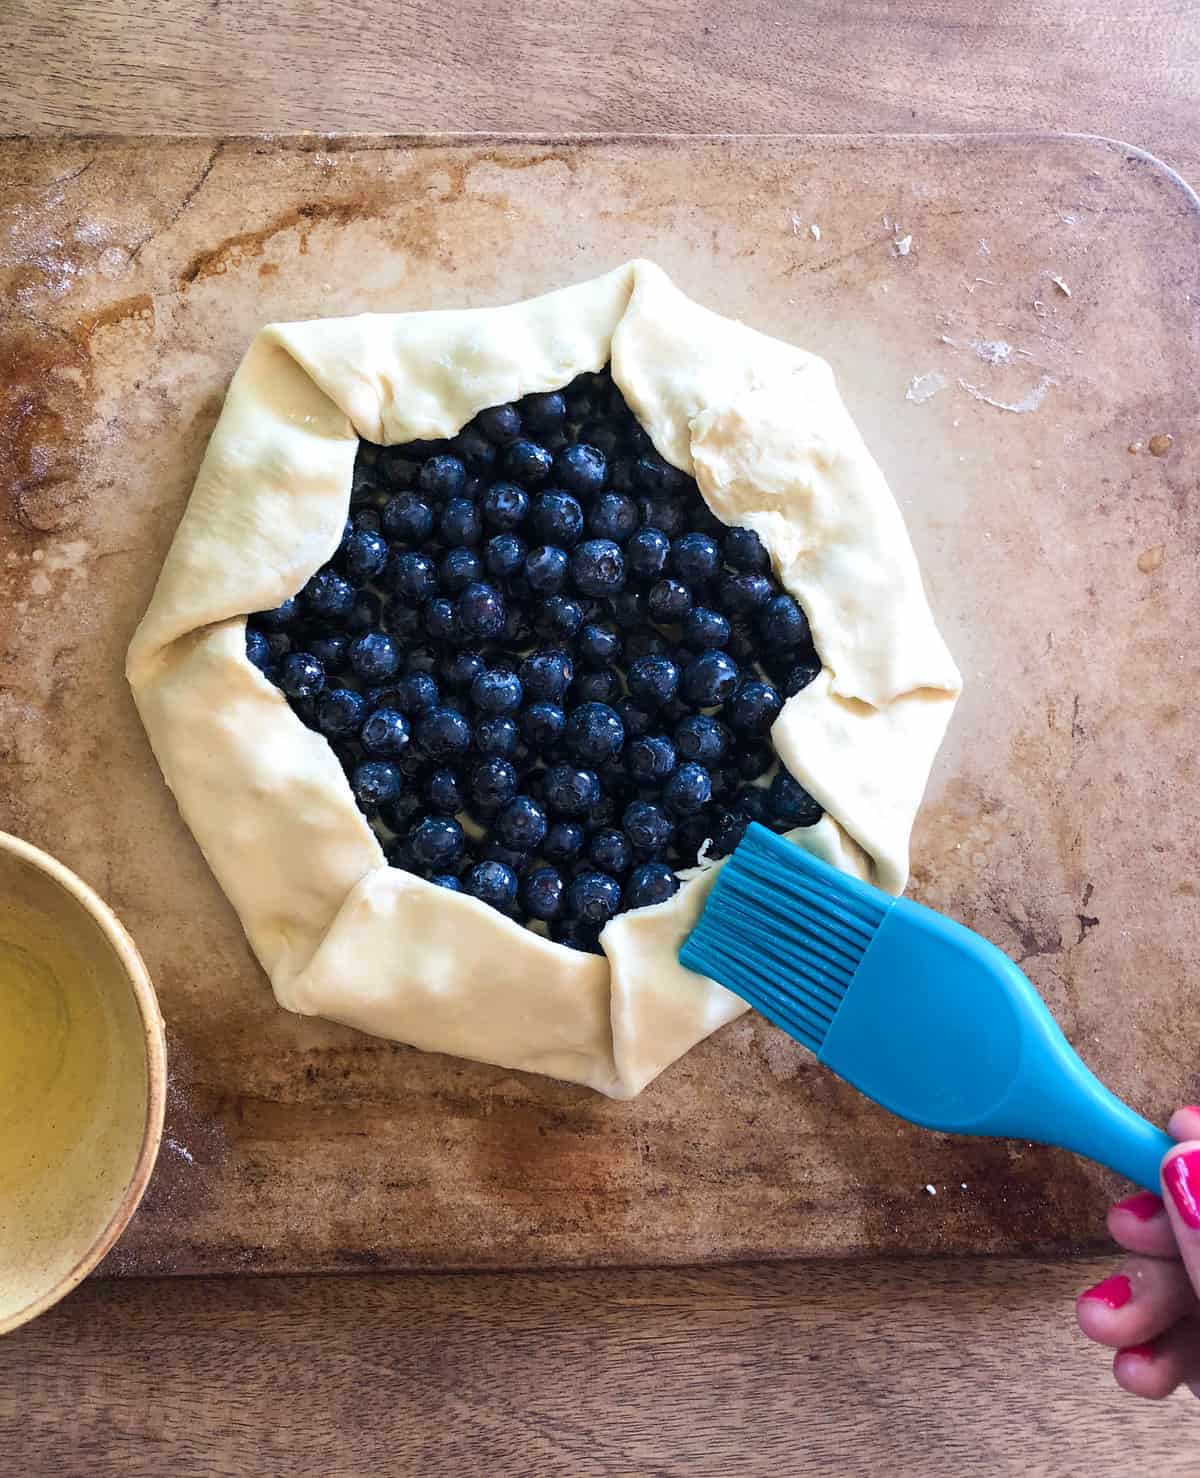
486	632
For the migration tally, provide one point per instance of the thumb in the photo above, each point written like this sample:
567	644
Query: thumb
1181	1192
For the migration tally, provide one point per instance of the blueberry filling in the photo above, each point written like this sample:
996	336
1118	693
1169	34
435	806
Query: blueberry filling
548	671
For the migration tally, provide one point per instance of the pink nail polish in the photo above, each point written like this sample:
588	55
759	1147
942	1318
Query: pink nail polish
1145	1205
1181	1176
1113	1293
1139	1352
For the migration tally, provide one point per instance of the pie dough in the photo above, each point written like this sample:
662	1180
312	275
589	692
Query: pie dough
340	933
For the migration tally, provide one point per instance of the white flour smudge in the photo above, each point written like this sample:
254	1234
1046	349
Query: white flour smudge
181	1150
993	351
1020	407
924	387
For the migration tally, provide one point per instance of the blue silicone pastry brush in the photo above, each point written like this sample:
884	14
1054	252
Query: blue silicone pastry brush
916	1011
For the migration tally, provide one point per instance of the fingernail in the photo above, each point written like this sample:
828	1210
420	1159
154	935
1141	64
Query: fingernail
1145	1205
1113	1293
1181	1176
1138	1352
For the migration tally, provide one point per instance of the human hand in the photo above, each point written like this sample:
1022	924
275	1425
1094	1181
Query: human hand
1149	1310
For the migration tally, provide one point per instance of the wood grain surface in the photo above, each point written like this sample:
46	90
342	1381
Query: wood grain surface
887	1369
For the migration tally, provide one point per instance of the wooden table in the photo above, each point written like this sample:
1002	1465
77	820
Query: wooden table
921	1368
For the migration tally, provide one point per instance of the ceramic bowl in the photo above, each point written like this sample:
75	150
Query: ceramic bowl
83	1079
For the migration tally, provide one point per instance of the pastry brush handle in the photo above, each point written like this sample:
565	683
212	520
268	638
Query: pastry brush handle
940	1027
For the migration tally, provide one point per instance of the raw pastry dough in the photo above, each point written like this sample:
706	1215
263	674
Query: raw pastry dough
341	934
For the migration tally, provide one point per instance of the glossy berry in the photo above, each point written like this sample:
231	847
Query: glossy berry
504	555
564	842
594	897
459	669
437	843
441	620
340	712
459	567
745	552
443	733
597	687
557	618
414	692
709	680
547	568
459	522
301	675
330	648
669	601
798	677
728	828
612	516
571	792
527	463
493	783
504	506
496	736
740	595
657	477
328	595
754	707
521	824
598	646
648	827
444	792
544	414
651	883
374	657
546	675
701	739
542	725
695	558
687	791
281	617
782	624
653	680
751	800
647	552
581	469
258	649
363	555
479	610
789	803
650	758
496	691
374	782
610	850
384	732
446	880
412	575
442	478
598	567
473	448
595	734
557	518
493	883
408	518
543	893
705	629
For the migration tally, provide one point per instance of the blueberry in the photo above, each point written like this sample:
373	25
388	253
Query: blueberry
444	792
728	828
442	477
751	800
610	850
512	857
669	600
688	790
742	594
658	478
458	670
504	555
365	519
742	645
281	616
420	658
648	827
362	555
597	687
542	725
480	612
595	734
705	629
651	883
637	717
301	675
401	620
499	423
401	813
650	758
496	691
340	712
695	558
460	523
564	842
437	843
557	518
754	707
702	739
576	934
493	783
443	733
528	463
374	657
790	803
798	677
385	732
647	552
598	646
408	517
411	575
543	414
594	897
744	551
329	647
557	618
459	567
709	680
653	680
496	736
605	436
493	882
542	893
571	792
279	644
581	469
374	782
547	675
612	516
441	619
328	596
446	880
691	833
521	825
598	567
782	624
546	569
666	514
504	506
258	649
